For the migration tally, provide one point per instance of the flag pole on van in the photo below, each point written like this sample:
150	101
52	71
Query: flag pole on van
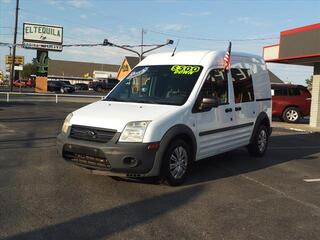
227	59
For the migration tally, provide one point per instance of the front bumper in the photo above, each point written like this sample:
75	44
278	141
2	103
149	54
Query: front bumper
111	158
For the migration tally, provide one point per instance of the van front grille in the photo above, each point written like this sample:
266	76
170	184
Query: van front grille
89	161
91	133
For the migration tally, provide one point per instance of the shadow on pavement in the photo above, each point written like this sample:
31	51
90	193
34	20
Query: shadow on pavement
239	161
282	148
105	223
304	120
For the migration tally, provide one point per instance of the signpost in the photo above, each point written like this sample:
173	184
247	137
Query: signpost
19	60
18	64
43	38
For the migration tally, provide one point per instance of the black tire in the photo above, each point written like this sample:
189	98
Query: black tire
259	144
180	151
291	115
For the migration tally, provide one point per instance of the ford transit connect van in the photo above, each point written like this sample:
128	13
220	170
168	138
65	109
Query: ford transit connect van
169	112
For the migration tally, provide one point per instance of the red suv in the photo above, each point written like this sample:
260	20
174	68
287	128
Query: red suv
290	102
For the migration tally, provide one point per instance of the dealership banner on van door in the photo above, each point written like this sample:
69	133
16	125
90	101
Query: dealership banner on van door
42	36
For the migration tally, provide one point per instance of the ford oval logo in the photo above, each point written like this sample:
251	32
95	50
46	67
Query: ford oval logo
91	134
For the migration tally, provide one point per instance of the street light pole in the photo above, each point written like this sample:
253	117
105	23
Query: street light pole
140	55
14	46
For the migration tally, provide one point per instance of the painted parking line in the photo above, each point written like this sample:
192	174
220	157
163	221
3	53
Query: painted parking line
312	180
298	130
294	148
4	129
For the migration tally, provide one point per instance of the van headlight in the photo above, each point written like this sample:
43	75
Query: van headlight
66	124
134	131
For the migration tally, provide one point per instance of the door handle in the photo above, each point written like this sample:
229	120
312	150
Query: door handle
238	109
228	110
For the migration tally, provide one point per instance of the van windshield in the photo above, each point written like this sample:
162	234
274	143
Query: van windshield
161	84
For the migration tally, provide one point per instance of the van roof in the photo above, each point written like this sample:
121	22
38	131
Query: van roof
192	58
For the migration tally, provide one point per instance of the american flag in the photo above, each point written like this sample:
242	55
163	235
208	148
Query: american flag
227	58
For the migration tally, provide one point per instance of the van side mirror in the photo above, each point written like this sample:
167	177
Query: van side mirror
208	103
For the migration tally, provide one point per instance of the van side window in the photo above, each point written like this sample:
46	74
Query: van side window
242	85
215	85
219	85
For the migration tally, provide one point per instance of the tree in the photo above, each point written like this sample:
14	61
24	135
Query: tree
309	82
28	69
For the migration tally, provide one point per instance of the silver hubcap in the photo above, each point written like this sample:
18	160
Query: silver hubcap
292	115
178	162
262	140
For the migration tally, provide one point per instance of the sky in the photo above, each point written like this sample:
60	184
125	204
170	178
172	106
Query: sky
198	25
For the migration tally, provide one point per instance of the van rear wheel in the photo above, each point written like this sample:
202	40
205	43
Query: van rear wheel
176	163
259	144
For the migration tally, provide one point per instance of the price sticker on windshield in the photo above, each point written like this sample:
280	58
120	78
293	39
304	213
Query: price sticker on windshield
185	69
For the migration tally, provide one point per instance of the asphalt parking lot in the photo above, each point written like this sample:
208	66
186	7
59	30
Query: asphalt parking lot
232	196
32	90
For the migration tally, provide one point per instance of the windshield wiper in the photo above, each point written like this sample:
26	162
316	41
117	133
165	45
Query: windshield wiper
143	101
113	99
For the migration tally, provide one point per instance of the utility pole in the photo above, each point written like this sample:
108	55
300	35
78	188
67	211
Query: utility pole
14	46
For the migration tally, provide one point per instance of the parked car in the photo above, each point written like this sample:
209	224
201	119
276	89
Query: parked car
290	102
66	82
30	83
81	86
104	85
19	83
169	112
58	86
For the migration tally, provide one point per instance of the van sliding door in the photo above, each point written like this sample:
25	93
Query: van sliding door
245	106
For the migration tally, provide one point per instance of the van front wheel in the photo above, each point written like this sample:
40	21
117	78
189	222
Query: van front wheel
259	144
176	163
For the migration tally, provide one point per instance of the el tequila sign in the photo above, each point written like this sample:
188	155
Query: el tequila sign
38	36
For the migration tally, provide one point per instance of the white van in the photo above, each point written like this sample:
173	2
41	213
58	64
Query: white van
171	111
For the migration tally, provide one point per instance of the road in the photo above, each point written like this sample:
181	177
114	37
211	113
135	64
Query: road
30	96
231	196
31	90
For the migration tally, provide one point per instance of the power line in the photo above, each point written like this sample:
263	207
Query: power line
84	45
210	39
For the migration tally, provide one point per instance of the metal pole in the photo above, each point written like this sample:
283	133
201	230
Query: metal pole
140	57
14	46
